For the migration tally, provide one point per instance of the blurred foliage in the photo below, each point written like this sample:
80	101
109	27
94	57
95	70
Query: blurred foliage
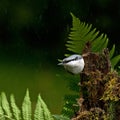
10	111
60	117
35	24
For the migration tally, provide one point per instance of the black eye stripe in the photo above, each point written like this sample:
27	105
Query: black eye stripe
66	61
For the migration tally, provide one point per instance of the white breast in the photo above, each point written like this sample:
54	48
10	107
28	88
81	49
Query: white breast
75	66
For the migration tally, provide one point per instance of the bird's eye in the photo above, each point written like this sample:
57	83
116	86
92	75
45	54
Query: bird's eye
76	58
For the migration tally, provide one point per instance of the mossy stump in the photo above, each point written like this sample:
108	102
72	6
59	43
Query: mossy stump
99	87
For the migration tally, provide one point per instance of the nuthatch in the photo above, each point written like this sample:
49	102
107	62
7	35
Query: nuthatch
73	64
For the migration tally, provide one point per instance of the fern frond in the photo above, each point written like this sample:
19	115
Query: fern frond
112	51
115	60
39	113
111	110
15	109
41	110
47	114
69	109
100	43
1	111
26	107
60	117
5	105
81	33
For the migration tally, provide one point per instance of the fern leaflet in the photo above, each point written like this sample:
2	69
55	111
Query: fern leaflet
1	110
39	113
5	105
26	107
47	114
81	33
15	109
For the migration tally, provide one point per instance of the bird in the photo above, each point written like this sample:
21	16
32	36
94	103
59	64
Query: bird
73	64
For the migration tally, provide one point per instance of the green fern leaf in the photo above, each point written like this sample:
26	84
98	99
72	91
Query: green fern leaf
81	33
6	106
39	113
68	108
115	60
1	111
100	43
41	110
47	114
60	117
26	107
112	51
15	109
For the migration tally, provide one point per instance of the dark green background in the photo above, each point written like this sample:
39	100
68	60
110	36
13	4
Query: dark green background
32	38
